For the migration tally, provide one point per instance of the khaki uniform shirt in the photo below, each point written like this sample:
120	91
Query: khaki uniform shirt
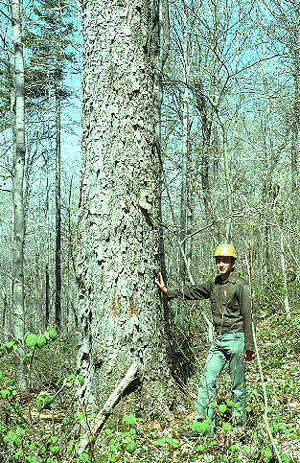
230	304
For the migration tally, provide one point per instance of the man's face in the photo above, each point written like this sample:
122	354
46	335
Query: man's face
224	266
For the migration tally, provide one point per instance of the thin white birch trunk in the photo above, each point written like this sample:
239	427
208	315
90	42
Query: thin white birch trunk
17	312
18	175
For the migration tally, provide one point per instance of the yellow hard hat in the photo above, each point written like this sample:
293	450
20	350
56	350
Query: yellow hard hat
224	250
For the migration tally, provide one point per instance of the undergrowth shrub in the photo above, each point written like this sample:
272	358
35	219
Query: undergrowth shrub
36	423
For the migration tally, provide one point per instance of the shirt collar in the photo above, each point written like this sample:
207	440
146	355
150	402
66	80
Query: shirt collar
231	279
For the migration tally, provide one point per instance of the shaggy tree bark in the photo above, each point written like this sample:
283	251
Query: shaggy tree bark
121	317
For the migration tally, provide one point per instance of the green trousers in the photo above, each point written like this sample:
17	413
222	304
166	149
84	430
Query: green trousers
225	348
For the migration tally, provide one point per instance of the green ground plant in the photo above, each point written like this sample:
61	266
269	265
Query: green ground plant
42	423
28	419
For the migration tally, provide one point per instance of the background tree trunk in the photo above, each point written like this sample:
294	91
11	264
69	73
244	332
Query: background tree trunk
121	316
296	103
47	297
58	197
159	55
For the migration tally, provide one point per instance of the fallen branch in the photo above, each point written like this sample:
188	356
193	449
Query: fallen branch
37	416
106	411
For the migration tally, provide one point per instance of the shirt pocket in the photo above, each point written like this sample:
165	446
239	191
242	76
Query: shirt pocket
230	299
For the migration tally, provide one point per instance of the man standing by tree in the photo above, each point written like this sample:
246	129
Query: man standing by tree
231	310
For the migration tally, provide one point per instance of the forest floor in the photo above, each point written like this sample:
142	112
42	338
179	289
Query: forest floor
49	435
159	440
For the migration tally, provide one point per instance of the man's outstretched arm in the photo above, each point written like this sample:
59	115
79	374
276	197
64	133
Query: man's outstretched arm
195	292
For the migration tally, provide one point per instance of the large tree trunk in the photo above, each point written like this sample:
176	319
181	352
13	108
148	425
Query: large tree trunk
121	315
